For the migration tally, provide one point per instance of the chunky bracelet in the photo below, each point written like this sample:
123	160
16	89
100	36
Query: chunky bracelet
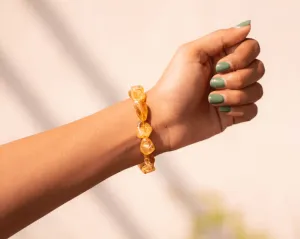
144	129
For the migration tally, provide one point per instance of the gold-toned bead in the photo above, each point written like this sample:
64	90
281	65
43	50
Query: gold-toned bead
143	130
146	168
147	147
137	93
141	109
149	159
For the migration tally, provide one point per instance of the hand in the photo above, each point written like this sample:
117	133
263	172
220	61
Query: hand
210	84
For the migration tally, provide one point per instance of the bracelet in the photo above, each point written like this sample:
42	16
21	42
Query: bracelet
144	129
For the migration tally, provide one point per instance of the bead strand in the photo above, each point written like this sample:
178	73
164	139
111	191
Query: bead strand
144	129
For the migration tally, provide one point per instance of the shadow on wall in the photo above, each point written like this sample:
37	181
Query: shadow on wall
70	42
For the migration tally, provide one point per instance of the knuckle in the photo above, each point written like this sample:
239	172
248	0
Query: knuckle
248	118
219	36
253	112
256	46
259	89
261	69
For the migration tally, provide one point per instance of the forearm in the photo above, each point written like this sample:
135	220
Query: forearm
41	172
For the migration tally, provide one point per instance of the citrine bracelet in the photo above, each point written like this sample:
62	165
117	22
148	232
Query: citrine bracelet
144	129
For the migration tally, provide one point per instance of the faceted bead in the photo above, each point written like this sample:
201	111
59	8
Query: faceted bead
147	147
141	109
147	169
149	159
143	130
137	93
148	165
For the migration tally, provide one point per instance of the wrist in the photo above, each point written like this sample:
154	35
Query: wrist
160	134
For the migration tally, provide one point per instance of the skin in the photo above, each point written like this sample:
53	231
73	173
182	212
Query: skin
41	172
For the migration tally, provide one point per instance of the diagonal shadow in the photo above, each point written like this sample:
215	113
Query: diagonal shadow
67	39
177	184
26	96
46	121
74	49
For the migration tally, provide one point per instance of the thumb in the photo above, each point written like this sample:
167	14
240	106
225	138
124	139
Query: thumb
214	43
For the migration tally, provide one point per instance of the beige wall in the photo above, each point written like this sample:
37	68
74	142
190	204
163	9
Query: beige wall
63	59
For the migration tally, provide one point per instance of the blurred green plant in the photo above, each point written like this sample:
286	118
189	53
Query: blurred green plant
216	221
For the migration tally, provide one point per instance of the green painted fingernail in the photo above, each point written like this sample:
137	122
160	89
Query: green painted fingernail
224	108
217	82
222	66
244	24
215	99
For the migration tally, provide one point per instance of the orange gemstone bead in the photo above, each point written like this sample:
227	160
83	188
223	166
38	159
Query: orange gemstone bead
147	147
137	93
141	109
148	165
146	168
149	160
143	130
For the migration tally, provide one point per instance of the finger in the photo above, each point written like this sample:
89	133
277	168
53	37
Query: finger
214	43
239	79
241	57
248	114
245	96
238	114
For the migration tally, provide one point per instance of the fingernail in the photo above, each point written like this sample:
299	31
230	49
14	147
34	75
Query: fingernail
222	66
224	108
217	82
244	24
215	99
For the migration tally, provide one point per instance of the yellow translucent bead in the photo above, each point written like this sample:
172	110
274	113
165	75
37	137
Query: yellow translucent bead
148	165
141	109
147	169
137	93
147	147
143	130
149	159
